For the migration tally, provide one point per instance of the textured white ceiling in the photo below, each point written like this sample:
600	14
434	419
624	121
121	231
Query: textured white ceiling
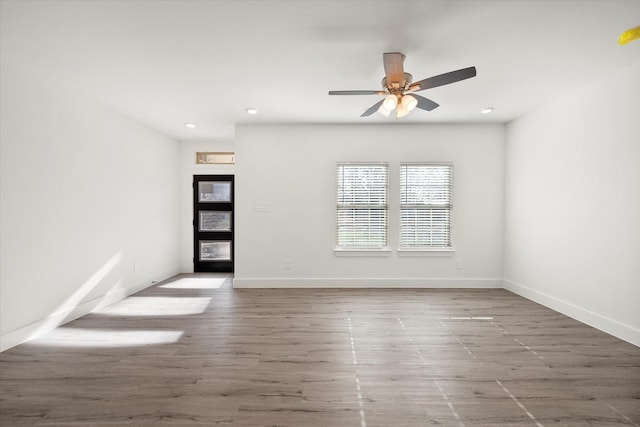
168	62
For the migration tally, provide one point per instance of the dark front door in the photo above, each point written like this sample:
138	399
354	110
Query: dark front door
213	223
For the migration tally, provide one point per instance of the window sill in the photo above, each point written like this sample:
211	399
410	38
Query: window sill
383	252
426	252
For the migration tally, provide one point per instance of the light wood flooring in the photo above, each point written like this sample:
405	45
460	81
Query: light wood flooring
195	352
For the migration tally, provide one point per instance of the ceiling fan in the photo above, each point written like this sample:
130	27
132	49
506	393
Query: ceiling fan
400	90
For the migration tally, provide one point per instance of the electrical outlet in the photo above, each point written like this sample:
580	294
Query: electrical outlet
287	264
459	264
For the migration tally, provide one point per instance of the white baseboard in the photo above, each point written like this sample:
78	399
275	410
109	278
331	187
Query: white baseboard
59	318
605	324
365	282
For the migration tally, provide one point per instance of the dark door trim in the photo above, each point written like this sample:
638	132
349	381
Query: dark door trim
213	223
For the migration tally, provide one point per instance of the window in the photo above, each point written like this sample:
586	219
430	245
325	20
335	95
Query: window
362	205
425	205
213	158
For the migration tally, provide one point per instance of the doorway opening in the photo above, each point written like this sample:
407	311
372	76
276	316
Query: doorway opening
213	223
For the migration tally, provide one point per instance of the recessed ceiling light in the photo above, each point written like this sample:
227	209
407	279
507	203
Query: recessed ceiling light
190	125
486	110
251	111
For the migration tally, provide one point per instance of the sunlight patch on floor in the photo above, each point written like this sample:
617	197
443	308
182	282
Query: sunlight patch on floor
104	338
157	306
61	314
195	283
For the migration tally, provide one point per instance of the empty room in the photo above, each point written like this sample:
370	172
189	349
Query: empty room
320	213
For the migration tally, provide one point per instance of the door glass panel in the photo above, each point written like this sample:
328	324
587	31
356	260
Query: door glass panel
215	221
215	250
214	191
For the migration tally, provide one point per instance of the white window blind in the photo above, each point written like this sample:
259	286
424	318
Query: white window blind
425	205
362	205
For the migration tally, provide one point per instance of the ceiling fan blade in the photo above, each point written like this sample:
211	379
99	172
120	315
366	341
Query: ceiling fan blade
372	109
443	79
357	92
425	103
394	68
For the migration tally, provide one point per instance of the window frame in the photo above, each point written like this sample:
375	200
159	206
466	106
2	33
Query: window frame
417	249
342	249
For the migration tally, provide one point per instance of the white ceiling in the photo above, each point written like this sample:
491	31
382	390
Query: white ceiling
167	62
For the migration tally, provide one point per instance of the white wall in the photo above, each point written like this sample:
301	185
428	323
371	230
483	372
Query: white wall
88	209
290	170
189	168
573	205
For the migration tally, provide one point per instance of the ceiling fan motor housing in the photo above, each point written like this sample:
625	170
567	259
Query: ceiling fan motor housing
397	88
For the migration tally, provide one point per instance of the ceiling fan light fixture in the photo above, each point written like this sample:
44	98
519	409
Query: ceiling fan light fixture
402	111
408	102
390	102
384	111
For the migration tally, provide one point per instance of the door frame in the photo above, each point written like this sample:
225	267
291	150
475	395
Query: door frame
222	266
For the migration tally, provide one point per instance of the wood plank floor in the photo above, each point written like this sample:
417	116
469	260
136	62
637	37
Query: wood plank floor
194	352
